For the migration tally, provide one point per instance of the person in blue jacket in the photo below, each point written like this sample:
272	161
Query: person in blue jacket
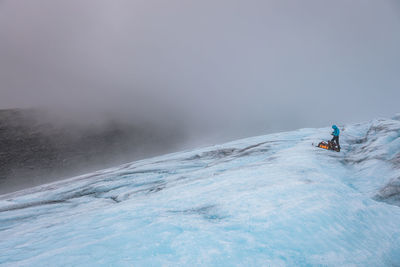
335	134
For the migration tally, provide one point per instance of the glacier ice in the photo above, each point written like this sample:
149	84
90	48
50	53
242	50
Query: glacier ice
271	200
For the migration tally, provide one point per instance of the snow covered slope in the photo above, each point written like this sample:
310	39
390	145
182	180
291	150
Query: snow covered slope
272	200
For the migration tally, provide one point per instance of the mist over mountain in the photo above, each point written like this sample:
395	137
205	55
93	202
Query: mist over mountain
226	69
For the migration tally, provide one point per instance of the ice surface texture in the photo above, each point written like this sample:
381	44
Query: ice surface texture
272	200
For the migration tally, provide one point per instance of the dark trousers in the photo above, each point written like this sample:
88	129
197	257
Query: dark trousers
336	139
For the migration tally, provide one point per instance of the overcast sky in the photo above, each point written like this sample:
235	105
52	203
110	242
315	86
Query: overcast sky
235	68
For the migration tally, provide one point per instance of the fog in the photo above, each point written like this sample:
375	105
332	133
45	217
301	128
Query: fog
219	69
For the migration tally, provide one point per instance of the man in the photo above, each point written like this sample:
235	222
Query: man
335	134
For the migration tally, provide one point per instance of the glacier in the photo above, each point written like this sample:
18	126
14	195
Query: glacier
273	200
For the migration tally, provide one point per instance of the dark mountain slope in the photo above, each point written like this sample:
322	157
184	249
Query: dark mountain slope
35	149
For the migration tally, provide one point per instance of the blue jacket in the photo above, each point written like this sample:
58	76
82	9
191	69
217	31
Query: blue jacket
336	131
